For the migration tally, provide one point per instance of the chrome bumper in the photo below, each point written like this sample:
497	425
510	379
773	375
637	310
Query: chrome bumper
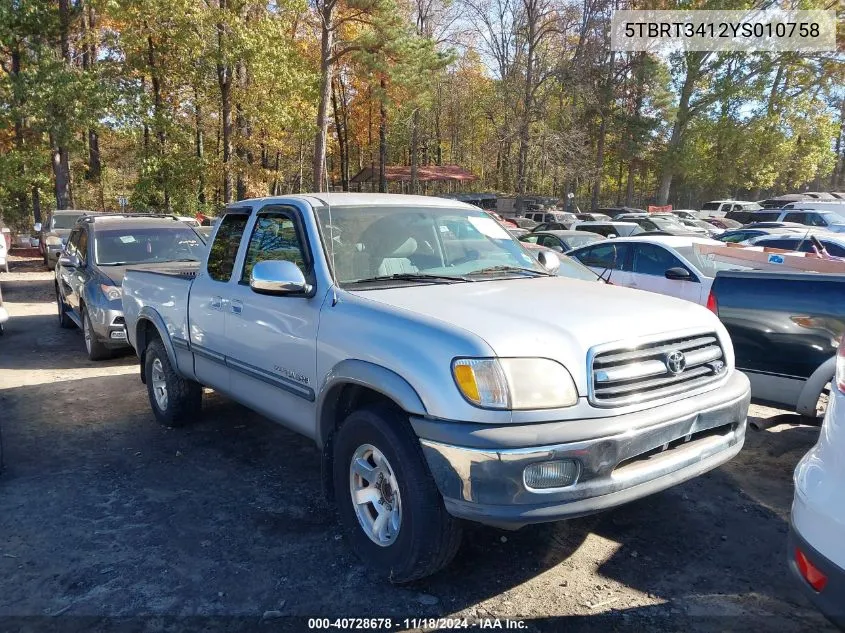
486	485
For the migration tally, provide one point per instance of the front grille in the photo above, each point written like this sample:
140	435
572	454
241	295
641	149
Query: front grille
655	370
686	442
118	321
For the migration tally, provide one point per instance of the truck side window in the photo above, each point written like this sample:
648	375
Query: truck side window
275	237
221	256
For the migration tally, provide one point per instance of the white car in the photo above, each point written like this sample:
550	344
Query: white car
667	264
719	208
833	243
816	552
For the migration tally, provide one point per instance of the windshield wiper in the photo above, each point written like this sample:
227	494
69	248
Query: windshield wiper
412	277
510	269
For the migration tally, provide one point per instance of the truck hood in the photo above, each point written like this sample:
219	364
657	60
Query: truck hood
116	273
550	317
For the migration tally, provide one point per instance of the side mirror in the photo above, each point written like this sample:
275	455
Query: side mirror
548	260
69	261
678	274
277	277
37	227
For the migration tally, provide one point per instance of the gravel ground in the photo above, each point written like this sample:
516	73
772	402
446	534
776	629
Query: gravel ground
104	513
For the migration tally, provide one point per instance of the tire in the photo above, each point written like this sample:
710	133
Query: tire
427	537
182	400
64	320
96	350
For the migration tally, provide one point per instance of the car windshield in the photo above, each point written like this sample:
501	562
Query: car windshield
142	245
711	206
708	267
370	242
573	269
577	241
65	220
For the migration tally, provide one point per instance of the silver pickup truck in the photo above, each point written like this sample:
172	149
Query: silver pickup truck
444	373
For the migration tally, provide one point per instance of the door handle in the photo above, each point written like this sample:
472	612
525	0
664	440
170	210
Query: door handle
237	306
216	303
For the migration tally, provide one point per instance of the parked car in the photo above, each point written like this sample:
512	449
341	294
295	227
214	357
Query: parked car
90	271
53	240
613	212
4	253
550	226
731	209
723	223
561	217
438	408
193	222
816	551
668	265
745	234
609	229
518	232
524	223
593	217
687	214
779	202
562	241
571	268
833	205
785	328
833	243
652	222
819	219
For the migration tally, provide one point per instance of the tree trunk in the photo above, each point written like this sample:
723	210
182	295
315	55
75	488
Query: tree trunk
326	45
527	99
59	152
199	147
244	133
629	190
837	174
224	81
382	139
340	129
415	149
36	204
89	61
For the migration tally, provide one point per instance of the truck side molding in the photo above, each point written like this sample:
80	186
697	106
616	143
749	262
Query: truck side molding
364	374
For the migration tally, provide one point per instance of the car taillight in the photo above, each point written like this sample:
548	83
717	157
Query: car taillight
840	366
711	303
809	572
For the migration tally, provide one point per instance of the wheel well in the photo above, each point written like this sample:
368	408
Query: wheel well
339	403
145	331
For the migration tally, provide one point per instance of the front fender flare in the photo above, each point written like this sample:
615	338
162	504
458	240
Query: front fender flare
150	315
812	389
369	375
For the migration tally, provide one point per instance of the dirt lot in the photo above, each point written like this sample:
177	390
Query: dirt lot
104	513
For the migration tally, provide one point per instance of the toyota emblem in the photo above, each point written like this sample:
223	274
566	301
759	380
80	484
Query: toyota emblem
676	362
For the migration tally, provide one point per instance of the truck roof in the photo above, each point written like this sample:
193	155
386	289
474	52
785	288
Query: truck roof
351	199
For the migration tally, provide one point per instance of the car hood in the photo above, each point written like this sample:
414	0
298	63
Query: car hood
61	233
116	273
549	317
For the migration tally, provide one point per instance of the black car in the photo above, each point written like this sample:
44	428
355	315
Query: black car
613	212
561	241
750	232
549	226
90	271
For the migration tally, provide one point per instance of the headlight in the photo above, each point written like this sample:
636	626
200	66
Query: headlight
113	293
514	383
53	240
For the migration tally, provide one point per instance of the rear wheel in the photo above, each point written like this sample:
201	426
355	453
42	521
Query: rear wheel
96	350
175	400
64	319
390	508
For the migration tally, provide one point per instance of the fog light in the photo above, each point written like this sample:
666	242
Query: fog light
118	334
556	474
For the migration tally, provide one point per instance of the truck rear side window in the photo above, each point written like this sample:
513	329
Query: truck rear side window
221	256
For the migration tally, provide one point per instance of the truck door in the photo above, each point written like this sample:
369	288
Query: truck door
648	272
273	338
210	302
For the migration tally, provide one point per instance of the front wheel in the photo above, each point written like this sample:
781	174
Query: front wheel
175	400
95	348
388	503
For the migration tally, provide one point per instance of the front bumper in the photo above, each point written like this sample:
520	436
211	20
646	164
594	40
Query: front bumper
109	326
482	479
830	600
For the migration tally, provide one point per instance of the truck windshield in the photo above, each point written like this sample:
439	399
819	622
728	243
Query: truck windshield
364	243
142	245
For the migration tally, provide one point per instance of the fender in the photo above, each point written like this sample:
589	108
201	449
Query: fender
812	389
366	374
149	314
